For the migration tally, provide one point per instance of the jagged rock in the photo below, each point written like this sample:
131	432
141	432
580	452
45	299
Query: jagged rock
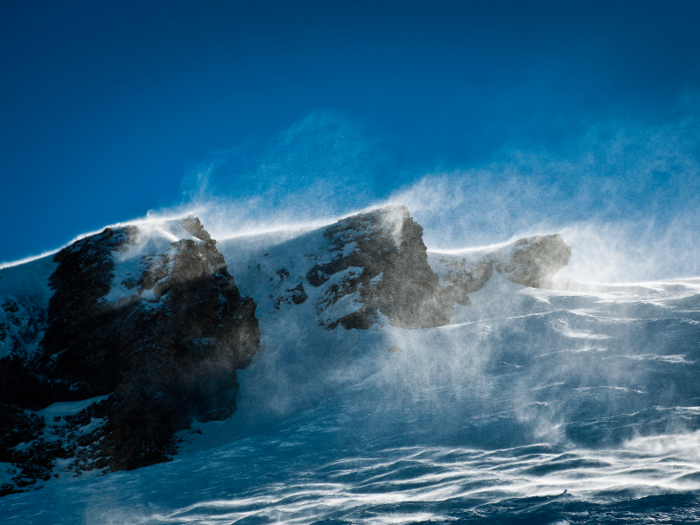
19	426
296	295
22	325
79	355
194	227
376	263
165	351
531	262
33	445
381	256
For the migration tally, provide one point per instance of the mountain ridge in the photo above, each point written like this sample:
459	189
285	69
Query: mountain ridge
153	329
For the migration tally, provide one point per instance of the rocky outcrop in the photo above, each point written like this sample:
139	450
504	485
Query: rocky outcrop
380	256
22	325
34	445
531	262
380	265
79	356
143	327
155	349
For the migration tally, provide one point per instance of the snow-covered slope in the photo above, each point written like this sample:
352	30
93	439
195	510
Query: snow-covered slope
491	400
544	405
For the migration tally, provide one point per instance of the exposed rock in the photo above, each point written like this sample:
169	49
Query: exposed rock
33	445
79	356
380	256
465	276
380	264
531	262
19	427
22	325
195	228
296	295
167	353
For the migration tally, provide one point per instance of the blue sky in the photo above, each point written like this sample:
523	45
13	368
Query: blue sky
112	109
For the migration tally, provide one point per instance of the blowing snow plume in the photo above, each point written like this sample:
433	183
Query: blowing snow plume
319	169
427	347
626	193
625	196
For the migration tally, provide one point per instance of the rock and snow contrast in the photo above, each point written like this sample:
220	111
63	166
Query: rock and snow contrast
345	374
143	331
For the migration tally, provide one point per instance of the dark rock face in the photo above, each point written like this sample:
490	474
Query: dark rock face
531	262
22	325
296	295
534	260
33	445
381	259
20	385
76	359
25	427
385	261
164	353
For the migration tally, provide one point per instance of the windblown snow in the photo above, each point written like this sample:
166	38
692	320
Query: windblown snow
572	404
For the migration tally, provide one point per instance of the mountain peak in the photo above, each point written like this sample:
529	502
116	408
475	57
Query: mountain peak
145	327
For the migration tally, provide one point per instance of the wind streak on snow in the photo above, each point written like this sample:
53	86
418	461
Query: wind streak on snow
404	484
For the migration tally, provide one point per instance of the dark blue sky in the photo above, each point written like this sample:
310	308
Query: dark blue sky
106	106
